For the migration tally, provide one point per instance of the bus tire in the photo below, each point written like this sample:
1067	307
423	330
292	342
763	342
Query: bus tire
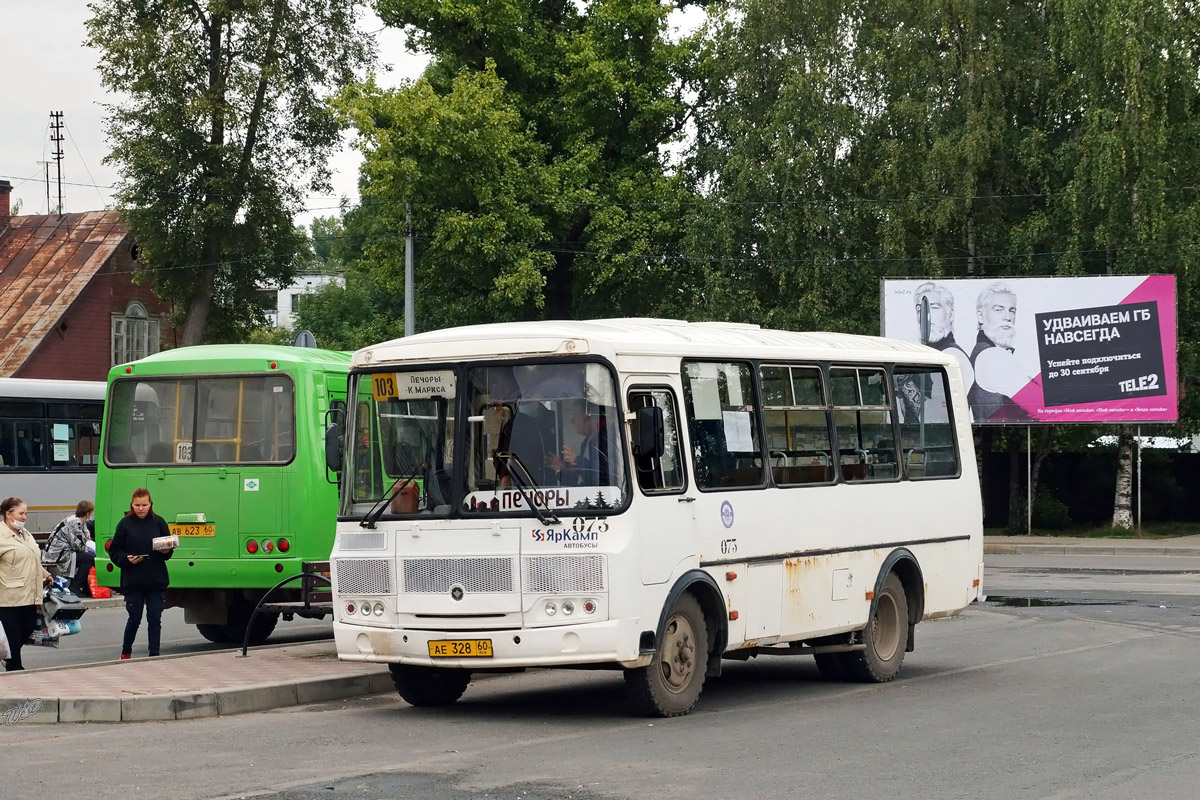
832	666
885	637
214	633
234	630
671	684
429	686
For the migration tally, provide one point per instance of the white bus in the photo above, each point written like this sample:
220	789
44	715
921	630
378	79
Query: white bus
649	495
49	445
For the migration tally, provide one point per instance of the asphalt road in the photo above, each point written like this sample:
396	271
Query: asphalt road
101	630
1092	698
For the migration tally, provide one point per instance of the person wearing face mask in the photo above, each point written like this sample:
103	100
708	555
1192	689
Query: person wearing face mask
21	579
144	576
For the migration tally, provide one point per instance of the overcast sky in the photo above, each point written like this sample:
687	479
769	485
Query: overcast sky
47	68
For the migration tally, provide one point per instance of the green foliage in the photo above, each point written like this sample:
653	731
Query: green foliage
838	144
1050	513
531	154
222	122
269	335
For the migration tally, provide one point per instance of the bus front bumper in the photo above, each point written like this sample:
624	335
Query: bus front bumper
613	641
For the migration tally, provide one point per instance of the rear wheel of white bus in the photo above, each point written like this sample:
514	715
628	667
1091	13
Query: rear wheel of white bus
429	686
671	685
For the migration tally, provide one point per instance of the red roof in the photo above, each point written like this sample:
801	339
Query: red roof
45	263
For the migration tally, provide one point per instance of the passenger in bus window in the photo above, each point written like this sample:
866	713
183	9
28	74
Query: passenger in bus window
144	577
29	448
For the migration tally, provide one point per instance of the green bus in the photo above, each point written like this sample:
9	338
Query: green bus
229	439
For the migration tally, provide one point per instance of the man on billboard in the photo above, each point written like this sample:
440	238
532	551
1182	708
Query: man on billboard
937	301
998	373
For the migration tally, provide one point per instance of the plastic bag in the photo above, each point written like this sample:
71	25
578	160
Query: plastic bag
5	650
99	592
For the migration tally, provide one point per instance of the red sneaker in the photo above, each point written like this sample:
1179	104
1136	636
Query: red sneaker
125	656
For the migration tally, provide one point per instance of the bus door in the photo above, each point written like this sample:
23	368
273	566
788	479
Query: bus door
665	505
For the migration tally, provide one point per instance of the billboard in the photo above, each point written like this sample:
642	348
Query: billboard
1054	350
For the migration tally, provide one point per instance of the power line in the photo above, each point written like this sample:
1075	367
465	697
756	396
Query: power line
82	161
701	200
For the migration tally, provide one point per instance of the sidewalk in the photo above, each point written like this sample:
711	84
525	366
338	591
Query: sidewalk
1181	546
188	686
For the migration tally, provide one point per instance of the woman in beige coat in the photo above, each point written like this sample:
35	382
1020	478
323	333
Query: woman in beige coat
21	578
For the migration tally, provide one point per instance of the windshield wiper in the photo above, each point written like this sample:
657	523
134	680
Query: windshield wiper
523	479
372	516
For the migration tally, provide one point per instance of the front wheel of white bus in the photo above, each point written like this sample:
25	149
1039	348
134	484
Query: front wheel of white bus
429	686
671	685
885	637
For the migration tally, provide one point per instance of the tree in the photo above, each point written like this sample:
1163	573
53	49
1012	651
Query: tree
1129	206
224	121
845	143
531	154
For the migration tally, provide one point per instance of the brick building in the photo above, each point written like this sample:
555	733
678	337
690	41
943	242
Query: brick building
69	308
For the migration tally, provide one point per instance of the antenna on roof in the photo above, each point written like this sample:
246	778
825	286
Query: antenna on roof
57	138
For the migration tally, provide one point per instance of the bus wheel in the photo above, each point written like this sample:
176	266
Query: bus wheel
886	636
429	686
239	621
671	685
214	633
833	666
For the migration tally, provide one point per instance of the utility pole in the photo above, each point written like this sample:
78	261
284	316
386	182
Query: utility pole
410	313
46	165
56	125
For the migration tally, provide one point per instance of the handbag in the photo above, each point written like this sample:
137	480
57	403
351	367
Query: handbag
5	650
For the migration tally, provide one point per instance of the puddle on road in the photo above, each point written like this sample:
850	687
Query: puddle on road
1037	602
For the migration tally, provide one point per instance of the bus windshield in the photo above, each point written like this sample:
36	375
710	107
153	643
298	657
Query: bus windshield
546	434
219	420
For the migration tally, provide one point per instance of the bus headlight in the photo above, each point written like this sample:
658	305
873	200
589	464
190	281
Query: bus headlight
568	608
351	608
378	609
551	609
365	609
589	606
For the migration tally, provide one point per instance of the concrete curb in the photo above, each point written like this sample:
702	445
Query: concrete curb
193	705
1011	549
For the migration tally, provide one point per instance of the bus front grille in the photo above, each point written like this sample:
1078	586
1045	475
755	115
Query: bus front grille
368	540
474	575
363	575
564	574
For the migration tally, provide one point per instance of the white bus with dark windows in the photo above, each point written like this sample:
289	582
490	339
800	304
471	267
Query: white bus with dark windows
49	445
649	495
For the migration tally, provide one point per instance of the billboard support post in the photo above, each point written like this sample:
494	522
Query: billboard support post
1139	479
1029	480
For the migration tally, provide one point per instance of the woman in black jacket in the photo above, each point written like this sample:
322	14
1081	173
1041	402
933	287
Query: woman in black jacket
144	576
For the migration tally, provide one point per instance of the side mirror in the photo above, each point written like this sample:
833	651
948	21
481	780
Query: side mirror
651	436
333	449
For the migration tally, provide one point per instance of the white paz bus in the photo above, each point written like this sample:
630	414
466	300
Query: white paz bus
653	496
49	445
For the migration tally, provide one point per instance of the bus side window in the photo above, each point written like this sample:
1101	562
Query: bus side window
863	419
658	475
723	425
926	432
